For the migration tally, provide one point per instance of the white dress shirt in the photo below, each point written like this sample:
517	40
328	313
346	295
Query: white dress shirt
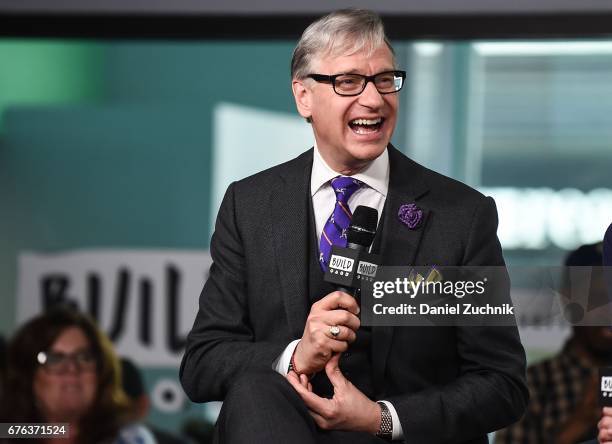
373	194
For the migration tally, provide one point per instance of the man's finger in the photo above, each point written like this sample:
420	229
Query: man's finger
333	372
339	299
304	380
341	317
312	400
293	380
319	420
343	333
604	435
338	346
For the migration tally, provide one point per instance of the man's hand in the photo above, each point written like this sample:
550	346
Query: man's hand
317	344
605	427
349	409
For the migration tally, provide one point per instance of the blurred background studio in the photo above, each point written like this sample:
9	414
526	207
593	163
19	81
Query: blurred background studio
122	123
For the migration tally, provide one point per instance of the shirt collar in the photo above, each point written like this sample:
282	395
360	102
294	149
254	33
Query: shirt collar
375	175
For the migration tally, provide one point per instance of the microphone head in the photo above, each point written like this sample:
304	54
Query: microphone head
362	229
605	387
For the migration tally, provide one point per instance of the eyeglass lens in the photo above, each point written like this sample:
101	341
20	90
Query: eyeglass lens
385	82
58	362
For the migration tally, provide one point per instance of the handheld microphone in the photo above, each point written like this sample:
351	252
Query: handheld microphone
361	231
349	265
605	386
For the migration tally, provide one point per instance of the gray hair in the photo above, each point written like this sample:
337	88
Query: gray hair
342	32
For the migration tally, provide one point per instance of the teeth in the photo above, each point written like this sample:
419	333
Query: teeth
366	121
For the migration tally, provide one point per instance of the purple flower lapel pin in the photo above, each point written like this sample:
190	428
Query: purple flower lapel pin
410	215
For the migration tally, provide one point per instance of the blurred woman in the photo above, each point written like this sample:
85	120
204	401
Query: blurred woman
62	369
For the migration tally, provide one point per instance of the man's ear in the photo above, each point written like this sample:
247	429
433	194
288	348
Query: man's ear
303	98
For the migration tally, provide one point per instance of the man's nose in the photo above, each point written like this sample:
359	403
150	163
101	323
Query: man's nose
370	97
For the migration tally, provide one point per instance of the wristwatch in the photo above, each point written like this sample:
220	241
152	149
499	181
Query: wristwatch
386	422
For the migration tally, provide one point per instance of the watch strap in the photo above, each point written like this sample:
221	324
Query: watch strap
386	422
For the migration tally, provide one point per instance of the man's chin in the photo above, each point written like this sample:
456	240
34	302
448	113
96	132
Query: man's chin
358	159
367	152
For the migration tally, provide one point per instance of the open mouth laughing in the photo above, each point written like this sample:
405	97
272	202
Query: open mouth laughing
366	126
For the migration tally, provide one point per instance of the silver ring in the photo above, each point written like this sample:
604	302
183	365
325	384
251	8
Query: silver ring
334	330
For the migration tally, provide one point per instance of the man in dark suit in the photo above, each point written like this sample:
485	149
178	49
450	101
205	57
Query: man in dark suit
607	247
271	338
605	425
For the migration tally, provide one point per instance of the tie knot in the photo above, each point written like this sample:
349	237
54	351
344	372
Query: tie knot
344	187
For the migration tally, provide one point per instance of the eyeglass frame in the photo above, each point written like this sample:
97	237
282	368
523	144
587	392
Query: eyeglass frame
62	367
332	79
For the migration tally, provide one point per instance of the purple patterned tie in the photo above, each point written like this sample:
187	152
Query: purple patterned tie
334	231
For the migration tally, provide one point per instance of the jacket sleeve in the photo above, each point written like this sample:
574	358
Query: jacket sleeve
490	391
221	346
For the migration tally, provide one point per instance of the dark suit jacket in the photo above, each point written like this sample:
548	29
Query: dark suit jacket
448	384
607	247
607	260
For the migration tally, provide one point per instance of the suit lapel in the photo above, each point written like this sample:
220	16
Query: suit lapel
289	212
399	244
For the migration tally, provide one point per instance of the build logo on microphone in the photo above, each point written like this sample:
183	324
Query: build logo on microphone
606	386
605	392
341	263
367	269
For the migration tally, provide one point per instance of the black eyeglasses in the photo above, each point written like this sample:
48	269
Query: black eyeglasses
353	84
58	363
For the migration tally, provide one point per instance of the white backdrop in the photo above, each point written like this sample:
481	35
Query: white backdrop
187	269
